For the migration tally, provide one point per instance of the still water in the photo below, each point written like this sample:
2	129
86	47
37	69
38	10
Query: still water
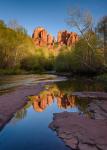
28	129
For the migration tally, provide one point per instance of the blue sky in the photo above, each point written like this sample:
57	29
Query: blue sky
50	14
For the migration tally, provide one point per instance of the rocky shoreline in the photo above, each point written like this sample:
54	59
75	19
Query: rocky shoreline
79	131
14	100
84	131
11	102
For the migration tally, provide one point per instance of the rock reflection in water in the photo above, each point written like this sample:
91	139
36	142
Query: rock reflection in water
61	93
54	95
44	99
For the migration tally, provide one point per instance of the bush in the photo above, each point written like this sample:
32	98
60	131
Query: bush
11	71
42	60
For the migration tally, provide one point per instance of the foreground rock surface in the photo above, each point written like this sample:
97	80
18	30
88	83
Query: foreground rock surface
93	95
12	102
80	132
84	131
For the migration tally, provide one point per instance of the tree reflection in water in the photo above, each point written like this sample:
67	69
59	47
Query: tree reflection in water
54	94
61	94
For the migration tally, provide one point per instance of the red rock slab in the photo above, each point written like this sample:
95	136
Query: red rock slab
96	95
10	103
80	132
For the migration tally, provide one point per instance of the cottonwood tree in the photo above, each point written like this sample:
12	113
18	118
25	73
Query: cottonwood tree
14	46
2	24
83	22
101	30
13	24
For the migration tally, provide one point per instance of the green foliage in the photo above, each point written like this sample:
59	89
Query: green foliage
81	58
101	30
2	24
13	24
17	51
102	77
12	71
42	60
86	59
14	46
63	61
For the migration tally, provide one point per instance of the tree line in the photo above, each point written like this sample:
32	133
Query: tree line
88	55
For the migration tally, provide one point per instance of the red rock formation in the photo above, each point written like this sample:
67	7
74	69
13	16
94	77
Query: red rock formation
72	39
49	39
67	38
42	38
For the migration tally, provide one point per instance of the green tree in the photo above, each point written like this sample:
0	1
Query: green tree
101	30
15	45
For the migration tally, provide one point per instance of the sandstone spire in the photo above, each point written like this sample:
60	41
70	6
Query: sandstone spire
42	38
67	38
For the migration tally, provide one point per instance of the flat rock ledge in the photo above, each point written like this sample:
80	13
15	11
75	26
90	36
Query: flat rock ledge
92	95
11	102
80	132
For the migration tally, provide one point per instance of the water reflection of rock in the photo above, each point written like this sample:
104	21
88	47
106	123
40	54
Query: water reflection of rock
41	102
65	101
64	97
